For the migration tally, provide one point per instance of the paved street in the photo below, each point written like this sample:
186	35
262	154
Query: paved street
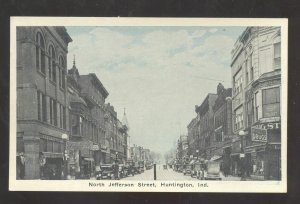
169	174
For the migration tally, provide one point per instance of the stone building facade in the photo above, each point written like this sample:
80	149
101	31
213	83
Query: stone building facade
256	76
42	103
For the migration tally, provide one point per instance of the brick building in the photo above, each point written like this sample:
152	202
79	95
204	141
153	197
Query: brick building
42	103
193	129
94	94
116	135
206	115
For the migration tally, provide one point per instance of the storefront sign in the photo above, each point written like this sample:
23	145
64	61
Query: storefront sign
259	135
268	126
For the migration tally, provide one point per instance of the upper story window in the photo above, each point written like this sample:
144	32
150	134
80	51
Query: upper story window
51	64
77	125
271	102
238	82
277	55
40	53
41	106
61	73
238	118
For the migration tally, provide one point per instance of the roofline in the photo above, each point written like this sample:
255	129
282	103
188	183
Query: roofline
93	75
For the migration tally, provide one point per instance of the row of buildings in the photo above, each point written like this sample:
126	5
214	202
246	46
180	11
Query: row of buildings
242	125
64	126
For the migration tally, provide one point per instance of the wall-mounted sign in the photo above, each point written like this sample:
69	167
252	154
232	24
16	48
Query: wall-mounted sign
269	126
259	135
95	147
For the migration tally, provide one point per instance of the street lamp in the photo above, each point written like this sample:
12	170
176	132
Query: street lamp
65	137
242	133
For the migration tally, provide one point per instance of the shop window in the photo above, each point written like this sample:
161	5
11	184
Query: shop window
40	53
271	102
277	55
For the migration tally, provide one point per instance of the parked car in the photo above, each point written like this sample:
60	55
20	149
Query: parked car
196	168
106	172
213	171
122	173
136	168
148	166
141	166
187	170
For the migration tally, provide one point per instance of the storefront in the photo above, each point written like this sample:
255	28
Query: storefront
81	162
264	151
235	160
51	166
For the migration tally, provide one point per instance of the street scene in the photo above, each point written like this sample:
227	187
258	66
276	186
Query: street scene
148	103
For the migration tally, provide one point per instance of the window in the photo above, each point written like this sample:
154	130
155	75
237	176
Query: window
238	119
60	116
76	125
40	53
42	108
51	64
271	102
61	74
250	66
64	118
238	81
43	145
277	55
256	106
250	112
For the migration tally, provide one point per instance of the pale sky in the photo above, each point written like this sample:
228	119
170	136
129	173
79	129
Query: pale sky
158	74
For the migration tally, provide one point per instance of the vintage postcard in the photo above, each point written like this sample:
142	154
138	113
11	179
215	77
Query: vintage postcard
148	104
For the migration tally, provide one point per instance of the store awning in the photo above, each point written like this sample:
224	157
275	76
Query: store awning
89	159
52	155
216	158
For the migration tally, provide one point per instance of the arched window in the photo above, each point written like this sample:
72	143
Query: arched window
51	62
61	77
40	53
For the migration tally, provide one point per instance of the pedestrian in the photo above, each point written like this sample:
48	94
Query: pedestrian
22	165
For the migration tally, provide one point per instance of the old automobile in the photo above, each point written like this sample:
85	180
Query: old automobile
213	170
141	166
122	172
106	172
187	170
196	168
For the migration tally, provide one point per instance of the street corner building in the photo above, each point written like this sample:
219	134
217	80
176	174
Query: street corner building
65	130
42	102
240	127
256	77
